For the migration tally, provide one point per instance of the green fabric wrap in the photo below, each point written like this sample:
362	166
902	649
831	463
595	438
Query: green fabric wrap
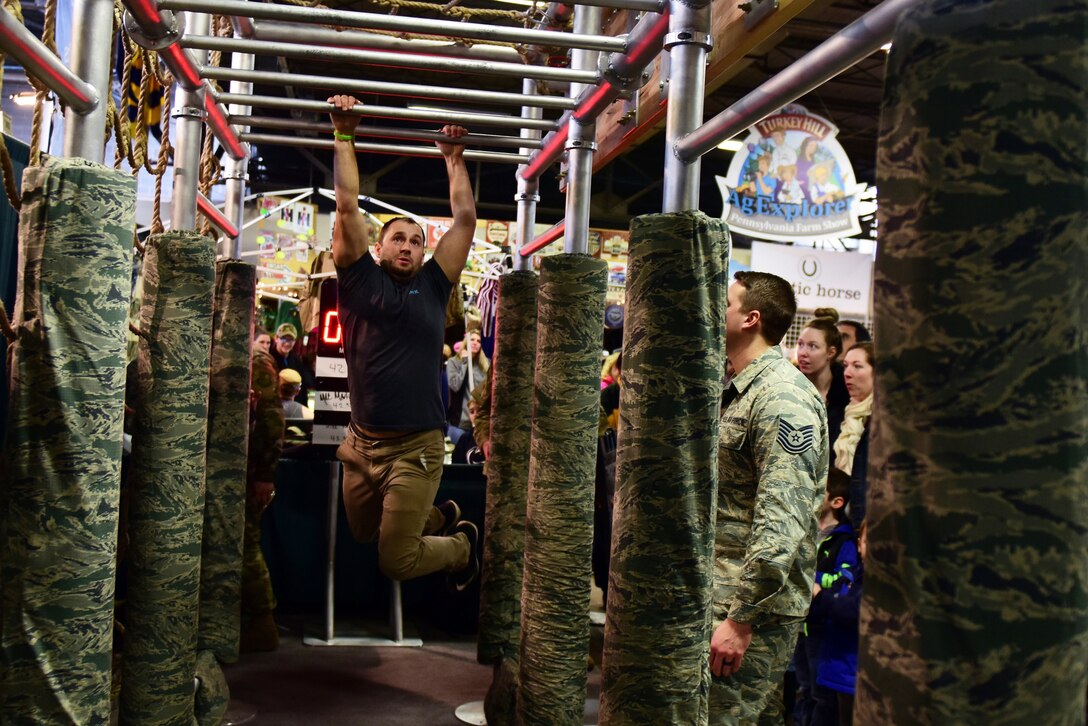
228	426
508	468
507	484
559	507
168	459
213	693
62	457
976	581
657	628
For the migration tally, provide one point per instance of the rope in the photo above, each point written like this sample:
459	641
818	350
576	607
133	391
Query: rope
49	31
12	189
451	9
165	150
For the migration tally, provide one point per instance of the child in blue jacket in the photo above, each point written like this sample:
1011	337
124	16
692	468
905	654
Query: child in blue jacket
836	556
839	610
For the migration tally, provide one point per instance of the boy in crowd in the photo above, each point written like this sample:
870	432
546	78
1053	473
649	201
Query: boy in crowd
836	560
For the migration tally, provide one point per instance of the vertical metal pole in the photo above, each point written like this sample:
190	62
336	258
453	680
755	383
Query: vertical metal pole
236	169
528	191
189	113
84	134
395	615
330	565
581	143
687	42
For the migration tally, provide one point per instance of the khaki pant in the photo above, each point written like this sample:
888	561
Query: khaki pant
753	695
389	488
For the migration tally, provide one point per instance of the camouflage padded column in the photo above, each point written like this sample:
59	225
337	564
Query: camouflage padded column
657	628
62	458
228	427
507	483
168	481
977	576
559	509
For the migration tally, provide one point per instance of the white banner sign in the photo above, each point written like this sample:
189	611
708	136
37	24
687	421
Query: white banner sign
820	278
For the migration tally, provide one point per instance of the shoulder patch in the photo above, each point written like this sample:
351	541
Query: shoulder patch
795	440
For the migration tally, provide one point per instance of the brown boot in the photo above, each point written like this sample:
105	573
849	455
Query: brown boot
259	634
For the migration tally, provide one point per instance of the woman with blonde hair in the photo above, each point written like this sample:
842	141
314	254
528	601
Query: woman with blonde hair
851	448
465	371
610	373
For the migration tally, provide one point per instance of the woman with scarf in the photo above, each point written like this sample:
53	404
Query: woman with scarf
851	448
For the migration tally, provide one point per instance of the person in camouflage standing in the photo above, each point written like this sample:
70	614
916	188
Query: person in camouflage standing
772	469
265	444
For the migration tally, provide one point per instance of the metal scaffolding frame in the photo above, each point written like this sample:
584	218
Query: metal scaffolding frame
681	28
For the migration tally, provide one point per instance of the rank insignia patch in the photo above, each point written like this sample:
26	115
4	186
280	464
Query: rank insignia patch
795	440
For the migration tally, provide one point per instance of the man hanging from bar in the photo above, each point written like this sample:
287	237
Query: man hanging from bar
772	469
393	314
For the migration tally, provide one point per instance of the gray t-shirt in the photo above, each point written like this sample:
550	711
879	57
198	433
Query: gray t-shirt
393	335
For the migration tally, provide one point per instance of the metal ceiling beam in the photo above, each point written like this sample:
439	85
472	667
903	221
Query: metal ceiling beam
428	151
287	124
445	116
623	72
384	58
399	23
853	43
316	35
413	90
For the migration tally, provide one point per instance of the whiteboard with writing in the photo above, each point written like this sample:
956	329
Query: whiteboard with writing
332	401
329	435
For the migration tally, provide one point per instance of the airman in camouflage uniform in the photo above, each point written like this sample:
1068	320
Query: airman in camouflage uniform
265	444
772	469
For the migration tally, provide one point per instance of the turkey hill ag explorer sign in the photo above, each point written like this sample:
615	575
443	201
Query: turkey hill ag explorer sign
791	181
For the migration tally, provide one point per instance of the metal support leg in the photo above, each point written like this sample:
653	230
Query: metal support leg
396	617
189	115
84	132
235	169
687	42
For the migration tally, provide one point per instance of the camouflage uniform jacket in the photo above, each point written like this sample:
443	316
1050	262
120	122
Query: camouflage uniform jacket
266	421
772	473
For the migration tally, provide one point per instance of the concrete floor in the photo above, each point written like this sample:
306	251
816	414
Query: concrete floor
300	685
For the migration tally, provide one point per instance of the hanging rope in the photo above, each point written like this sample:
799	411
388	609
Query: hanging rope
49	32
12	189
452	10
165	150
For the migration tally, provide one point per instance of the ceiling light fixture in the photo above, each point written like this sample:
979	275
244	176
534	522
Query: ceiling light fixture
886	47
23	98
731	145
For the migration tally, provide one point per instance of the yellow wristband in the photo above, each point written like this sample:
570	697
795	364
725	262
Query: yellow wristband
343	137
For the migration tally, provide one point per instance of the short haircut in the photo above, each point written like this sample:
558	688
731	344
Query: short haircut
861	333
774	299
258	331
838	484
387	225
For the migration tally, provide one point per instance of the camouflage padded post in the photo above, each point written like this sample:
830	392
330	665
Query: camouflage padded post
507	483
169	451
213	693
977	573
559	507
228	426
62	468
657	628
